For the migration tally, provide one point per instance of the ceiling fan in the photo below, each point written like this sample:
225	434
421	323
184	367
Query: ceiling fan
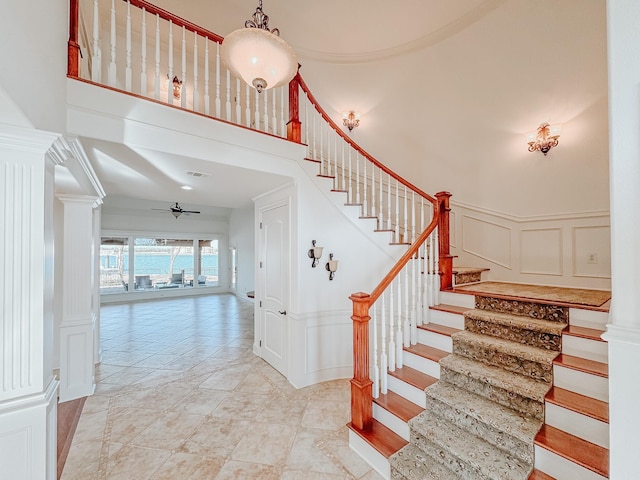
176	210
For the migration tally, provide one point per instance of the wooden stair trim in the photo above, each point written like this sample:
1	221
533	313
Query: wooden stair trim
582	365
439	329
352	204
538	475
398	406
383	439
584	332
366	217
399	243
425	351
312	160
339	191
326	176
579	451
384	230
596	409
413	377
67	421
443	307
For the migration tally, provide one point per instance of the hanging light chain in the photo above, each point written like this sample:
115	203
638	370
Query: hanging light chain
261	20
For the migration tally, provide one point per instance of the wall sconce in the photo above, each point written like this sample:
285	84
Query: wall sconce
331	266
177	86
315	253
351	119
545	138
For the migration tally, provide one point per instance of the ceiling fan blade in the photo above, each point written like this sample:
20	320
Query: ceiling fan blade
161	209
189	211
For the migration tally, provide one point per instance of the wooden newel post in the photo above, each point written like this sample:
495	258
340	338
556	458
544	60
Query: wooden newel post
73	48
445	259
294	132
361	399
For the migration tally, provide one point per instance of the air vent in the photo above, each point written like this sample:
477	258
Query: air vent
198	174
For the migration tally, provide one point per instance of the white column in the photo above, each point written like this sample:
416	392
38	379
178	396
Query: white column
77	336
95	306
28	389
623	331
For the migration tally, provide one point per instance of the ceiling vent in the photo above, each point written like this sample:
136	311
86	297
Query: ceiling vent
198	174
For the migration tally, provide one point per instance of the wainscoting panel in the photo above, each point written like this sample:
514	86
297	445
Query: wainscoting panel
541	251
487	240
592	251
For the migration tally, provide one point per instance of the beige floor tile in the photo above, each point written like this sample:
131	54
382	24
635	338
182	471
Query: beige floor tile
83	460
266	443
234	470
91	426
183	466
328	415
254	383
215	437
200	401
292	474
135	463
126	423
169	431
306	456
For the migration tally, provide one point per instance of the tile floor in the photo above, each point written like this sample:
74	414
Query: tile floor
181	396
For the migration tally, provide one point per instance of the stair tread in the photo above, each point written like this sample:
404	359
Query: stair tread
501	418
577	450
383	439
450	308
339	190
414	464
312	160
476	452
576	402
582	364
425	351
518	321
439	329
538	475
398	405
470	269
322	175
520	350
584	332
497	377
413	377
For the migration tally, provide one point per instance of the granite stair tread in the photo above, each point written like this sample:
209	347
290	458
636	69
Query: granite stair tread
413	377
582	365
517	321
414	464
504	419
425	351
439	329
574	449
497	377
582	404
469	456
519	350
398	405
383	439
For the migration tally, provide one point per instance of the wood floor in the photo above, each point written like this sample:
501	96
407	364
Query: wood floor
68	417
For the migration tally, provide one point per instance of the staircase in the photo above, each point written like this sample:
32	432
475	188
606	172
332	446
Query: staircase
522	395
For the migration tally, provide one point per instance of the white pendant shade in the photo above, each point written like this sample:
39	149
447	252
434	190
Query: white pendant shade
262	59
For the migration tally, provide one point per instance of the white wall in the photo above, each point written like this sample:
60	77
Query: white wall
242	236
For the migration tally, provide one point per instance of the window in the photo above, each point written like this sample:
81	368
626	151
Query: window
208	262
114	265
162	263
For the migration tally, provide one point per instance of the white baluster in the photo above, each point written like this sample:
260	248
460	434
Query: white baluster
374	210
206	75
283	120
407	317
228	92
397	219
420	285
257	111
407	235
313	137
156	94
238	104
414	299
399	325
358	197
350	187
195	73
383	350
376	368
392	343
265	114
96	58
414	233
112	63
218	101
274	118
170	75
306	126
342	187
365	202
380	203
322	155
430	272
389	214
143	55
127	71
183	90
436	261
247	111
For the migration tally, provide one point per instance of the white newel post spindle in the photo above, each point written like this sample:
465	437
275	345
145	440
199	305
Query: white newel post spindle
183	97
206	76
227	103
170	74
383	349
195	73
77	326
265	113
156	94
127	71
257	111
143	55
399	335
218	105
247	108
238	102
392	343
112	42
96	56
376	368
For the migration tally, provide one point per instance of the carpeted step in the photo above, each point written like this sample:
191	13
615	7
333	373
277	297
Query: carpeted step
470	457
509	389
514	357
411	463
503	427
521	329
464	275
526	308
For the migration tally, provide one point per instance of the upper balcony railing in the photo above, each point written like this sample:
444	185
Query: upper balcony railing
135	47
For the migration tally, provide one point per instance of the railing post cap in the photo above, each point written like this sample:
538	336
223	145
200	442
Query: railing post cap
443	194
359	296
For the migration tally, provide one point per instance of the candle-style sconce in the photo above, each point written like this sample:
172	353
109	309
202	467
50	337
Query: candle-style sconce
331	266
315	253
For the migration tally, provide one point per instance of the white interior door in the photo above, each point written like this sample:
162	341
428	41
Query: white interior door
274	273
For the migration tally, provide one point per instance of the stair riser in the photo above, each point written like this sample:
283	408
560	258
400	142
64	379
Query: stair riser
585	348
421	364
457	299
589	318
370	455
448	319
436	340
462	278
561	468
511	363
411	393
576	424
389	420
525	309
503	441
580	382
528	337
499	395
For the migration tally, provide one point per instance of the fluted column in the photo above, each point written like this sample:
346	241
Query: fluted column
77	326
28	388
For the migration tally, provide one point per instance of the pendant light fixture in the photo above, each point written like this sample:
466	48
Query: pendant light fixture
258	55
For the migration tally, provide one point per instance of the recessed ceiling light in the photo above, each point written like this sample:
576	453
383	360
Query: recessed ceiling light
186	187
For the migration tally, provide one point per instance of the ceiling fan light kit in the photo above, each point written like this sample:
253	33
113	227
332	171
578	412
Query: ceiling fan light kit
176	210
